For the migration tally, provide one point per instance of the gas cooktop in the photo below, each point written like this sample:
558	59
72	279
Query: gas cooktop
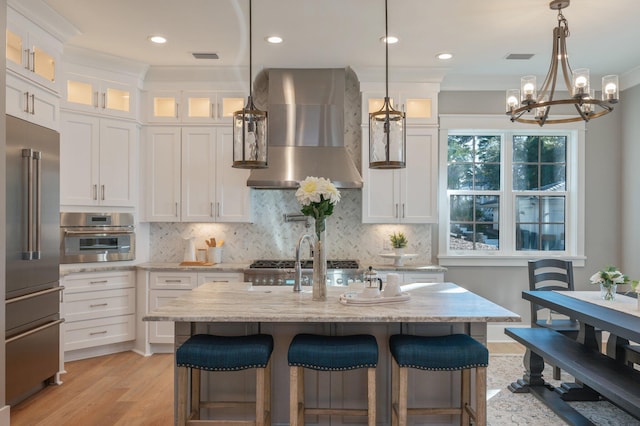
306	264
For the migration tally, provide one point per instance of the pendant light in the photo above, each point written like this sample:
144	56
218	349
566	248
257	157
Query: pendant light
250	128
387	127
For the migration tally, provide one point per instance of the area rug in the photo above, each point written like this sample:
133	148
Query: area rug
509	409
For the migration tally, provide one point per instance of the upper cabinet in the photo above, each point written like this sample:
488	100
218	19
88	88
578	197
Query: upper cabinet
190	178
98	161
192	106
93	94
406	195
418	101
32	103
31	52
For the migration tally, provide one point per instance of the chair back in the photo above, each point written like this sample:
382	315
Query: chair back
549	274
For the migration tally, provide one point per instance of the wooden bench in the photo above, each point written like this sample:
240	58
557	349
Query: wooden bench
618	383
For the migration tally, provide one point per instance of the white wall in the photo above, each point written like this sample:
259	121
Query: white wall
603	203
630	183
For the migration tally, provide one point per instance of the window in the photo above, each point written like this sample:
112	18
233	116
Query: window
509	194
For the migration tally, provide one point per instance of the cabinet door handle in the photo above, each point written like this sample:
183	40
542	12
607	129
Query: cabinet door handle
102	188
218	209
104	100
212	214
177	110
33	61
396	210
96	97
97	305
403	211
211	108
176	209
95	192
27	57
173	281
33	104
26	102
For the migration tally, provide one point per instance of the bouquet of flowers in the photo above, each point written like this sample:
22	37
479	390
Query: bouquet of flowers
610	276
317	196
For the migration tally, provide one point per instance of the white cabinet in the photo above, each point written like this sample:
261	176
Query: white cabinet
192	106
98	161
418	101
190	178
99	95
31	102
99	309
31	52
166	286
406	195
408	277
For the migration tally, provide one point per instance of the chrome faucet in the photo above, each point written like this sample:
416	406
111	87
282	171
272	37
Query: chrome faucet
297	284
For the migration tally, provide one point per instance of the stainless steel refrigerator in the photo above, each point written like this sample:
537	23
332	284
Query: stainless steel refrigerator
32	265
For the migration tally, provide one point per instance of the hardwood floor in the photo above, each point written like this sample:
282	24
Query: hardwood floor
120	389
123	389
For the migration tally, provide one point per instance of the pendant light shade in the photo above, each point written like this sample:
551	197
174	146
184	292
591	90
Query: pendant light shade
250	128
387	127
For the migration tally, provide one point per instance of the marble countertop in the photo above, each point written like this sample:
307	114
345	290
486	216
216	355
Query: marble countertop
408	267
240	302
218	267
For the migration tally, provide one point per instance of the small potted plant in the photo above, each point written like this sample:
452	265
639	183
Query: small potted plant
398	242
608	279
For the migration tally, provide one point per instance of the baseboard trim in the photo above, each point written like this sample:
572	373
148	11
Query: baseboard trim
495	332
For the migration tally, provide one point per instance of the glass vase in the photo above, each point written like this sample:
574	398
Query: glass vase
608	292
320	262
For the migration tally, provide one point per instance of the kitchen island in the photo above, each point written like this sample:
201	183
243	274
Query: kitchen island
239	308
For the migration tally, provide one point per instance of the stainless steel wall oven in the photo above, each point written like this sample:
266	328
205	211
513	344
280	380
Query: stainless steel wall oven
96	237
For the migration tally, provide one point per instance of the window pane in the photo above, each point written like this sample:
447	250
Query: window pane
552	177
525	149
552	209
553	149
461	208
540	223
460	149
527	209
525	177
487	177
460	176
488	149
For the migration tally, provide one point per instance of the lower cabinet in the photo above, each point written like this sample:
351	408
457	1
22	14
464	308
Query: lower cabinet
165	286
99	309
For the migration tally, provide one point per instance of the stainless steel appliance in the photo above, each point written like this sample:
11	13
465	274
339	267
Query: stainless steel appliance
282	272
32	298
97	237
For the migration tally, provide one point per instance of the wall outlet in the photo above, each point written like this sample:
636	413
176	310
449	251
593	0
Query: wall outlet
386	244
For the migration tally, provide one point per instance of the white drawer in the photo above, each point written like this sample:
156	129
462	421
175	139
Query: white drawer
220	277
75	283
173	280
99	304
104	331
424	277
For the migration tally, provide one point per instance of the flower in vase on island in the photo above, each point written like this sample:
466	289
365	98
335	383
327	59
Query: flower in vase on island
317	196
608	279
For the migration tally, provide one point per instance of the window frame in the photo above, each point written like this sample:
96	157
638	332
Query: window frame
507	255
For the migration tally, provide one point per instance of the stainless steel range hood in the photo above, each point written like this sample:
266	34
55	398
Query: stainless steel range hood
306	129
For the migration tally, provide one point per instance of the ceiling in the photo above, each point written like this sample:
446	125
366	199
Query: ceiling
337	33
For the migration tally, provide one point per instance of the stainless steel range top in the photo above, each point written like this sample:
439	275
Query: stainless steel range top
281	272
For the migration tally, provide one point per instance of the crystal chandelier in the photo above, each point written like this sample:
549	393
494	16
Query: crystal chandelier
528	105
387	146
250	128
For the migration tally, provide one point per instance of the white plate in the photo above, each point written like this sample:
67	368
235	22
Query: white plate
398	258
357	299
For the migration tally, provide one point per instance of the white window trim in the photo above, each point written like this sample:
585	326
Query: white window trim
575	184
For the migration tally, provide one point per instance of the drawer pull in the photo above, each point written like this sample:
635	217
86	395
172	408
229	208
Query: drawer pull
96	305
98	332
99	282
173	281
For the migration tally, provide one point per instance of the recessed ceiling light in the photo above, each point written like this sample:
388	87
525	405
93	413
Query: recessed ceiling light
444	56
274	39
392	39
158	39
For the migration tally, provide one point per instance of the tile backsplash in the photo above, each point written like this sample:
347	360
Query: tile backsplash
270	237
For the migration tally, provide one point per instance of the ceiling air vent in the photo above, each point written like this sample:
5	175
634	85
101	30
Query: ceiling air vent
204	55
519	56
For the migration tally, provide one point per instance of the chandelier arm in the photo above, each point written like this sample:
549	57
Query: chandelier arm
566	68
386	54
250	56
550	79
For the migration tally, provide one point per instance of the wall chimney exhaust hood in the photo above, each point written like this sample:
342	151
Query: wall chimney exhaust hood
306	129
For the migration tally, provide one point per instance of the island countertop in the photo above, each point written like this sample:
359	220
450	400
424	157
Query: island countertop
241	302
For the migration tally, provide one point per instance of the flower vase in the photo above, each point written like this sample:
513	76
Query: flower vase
320	262
608	292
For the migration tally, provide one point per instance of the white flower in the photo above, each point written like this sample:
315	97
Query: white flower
312	188
596	278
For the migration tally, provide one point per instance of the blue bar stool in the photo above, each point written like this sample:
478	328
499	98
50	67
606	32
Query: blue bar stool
331	353
223	353
439	353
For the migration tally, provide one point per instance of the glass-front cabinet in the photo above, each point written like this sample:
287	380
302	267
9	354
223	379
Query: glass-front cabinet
192	106
30	52
97	95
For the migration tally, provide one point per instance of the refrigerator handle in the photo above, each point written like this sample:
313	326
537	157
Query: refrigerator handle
37	159
27	154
